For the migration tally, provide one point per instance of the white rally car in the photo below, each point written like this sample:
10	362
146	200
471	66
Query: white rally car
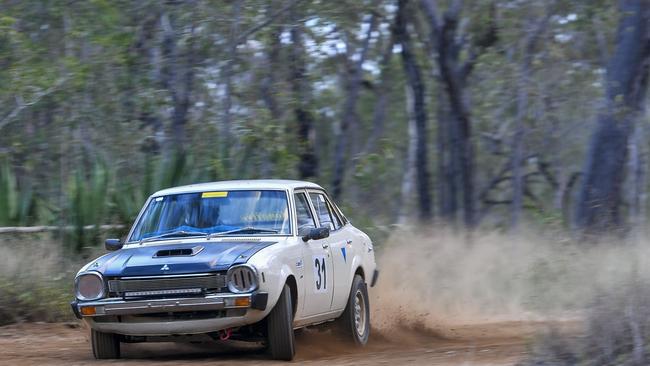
246	260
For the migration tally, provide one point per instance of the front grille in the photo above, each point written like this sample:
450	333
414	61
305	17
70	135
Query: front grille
205	282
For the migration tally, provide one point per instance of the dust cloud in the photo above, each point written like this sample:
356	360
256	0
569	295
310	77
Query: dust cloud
30	257
430	281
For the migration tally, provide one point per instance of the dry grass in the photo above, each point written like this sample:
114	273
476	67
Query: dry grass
616	332
442	278
430	281
35	278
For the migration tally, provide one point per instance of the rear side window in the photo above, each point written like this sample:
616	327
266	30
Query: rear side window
303	213
324	211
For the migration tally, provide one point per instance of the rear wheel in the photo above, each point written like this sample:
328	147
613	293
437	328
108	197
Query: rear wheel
355	321
280	336
105	345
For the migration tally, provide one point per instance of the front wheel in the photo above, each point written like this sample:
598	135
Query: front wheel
105	345
280	336
355	321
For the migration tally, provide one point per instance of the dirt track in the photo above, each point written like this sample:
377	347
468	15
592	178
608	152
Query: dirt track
489	344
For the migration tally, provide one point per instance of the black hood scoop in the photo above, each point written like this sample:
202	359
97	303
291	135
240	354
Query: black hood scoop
179	252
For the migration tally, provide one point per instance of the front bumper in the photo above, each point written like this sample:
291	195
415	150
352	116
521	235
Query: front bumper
154	317
119	306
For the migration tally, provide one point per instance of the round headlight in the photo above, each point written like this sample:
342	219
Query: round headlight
242	278
89	286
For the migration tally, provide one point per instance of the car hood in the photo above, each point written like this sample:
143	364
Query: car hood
155	260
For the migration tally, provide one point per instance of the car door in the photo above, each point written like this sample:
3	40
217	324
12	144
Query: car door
317	260
339	246
344	244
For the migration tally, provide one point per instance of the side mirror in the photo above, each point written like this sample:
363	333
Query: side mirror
317	234
113	244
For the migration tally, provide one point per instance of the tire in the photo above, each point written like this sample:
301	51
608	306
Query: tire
106	346
355	320
280	336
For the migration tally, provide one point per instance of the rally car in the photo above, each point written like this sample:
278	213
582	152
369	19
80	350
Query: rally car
246	260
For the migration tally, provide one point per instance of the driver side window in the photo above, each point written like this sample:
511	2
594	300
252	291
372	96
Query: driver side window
303	214
324	212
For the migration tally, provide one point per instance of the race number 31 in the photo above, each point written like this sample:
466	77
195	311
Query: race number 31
320	273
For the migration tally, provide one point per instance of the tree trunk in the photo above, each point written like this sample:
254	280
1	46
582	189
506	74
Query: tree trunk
415	83
598	207
518	146
637	184
227	71
454	71
382	95
308	162
177	76
447	154
406	191
267	90
348	114
268	86
518	153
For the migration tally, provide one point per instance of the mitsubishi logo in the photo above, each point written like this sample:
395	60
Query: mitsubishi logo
165	268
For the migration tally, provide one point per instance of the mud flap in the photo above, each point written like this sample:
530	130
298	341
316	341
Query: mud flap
375	275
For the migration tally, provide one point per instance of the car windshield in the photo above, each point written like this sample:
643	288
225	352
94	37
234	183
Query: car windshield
260	212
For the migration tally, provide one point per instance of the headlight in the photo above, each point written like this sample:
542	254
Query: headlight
89	286
242	278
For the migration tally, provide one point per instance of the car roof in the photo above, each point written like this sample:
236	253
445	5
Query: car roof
239	184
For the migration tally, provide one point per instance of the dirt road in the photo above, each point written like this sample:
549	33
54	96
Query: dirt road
487	344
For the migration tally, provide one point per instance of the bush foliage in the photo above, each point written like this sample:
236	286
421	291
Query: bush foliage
616	332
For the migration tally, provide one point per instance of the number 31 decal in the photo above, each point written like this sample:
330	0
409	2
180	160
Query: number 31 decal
320	274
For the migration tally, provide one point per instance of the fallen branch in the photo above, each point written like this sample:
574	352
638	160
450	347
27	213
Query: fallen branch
37	97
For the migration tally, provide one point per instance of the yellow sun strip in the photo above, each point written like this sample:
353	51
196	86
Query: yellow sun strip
214	194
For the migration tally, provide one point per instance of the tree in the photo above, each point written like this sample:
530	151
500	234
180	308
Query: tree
533	33
308	161
599	203
352	81
456	58
416	84
320	91
177	76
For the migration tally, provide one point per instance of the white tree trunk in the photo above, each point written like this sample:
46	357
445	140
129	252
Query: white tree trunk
637	174
406	196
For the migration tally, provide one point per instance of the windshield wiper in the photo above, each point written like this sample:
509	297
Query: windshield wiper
249	229
179	233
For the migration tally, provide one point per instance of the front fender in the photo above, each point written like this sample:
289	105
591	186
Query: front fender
277	285
274	267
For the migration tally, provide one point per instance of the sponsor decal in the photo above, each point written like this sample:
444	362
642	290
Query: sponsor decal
345	256
214	194
165	268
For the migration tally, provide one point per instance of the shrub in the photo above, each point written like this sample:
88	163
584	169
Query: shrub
616	332
31	301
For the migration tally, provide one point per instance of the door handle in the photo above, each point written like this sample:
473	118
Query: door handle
325	246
